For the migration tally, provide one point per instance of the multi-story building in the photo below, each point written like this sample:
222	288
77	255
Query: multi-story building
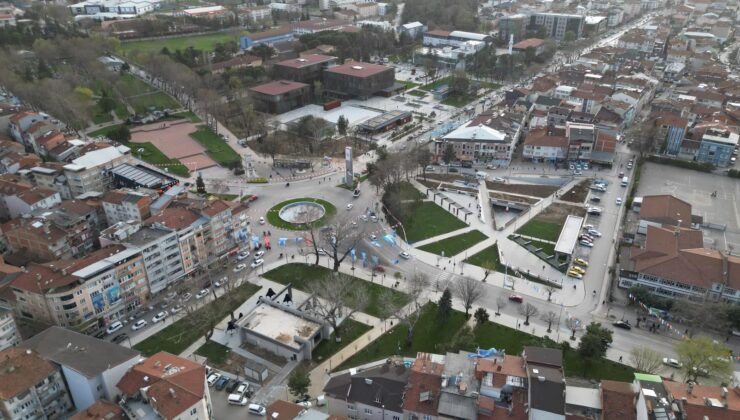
91	367
86	294
581	139
513	25
489	137
306	69
22	121
122	9
254	14
168	387
357	79
556	25
280	96
19	197
671	132
547	144
90	172
31	387
158	246
439	38
193	234
126	205
375	393
9	335
717	146
42	240
51	176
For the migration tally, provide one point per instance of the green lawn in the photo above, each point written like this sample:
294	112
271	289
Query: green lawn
489	255
458	101
104	131
408	85
100	117
409	192
187	114
429	336
158	100
456	244
350	330
417	92
547	247
199	42
430	220
217	149
501	337
180	335
215	353
430	86
539	229
273	215
302	275
154	156
131	85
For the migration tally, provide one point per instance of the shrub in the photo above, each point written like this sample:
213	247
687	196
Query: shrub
257	181
696	166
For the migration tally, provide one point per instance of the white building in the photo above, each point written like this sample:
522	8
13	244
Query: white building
125	205
89	172
14	205
91	367
331	4
112	9
9	335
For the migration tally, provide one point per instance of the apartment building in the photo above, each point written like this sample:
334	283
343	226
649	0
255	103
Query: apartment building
19	197
31	387
717	147
42	240
91	367
90	172
86	294
9	335
556	25
51	176
125	205
193	234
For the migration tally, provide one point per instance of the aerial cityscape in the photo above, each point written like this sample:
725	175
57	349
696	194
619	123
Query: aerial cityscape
350	209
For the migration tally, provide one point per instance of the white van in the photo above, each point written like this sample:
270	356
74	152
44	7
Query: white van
239	399
114	327
481	175
625	181
257	409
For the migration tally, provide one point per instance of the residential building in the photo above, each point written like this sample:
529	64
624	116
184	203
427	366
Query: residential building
91	367
18	197
424	386
9	334
412	29
458	396
254	14
447	57
556	25
489	137
618	400
671	132
704	401
373	393
595	25
168	387
357	79
112	9
193	235
271	37
22	121
439	38
280	96
31	387
157	245
126	205
100	410
305	27
305	69
663	210
538	45
546	382
513	25
581	139
364	10
717	146
50	175
547	144
86	294
90	172
286	410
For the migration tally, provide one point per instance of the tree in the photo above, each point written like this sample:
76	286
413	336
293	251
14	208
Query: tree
569	36
646	360
595	341
299	382
337	297
469	291
449	154
342	124
120	134
703	356
459	84
263	51
500	304
549	317
409	313
643	135
444	306
423	159
340	240
701	315
481	316
200	186
550	290
528	310
573	325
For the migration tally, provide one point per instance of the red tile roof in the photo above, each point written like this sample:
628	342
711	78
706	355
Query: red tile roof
438	33
21	369
359	69
306	60
546	138
526	43
284	410
278	87
425	376
695	403
174	218
618	400
666	209
100	410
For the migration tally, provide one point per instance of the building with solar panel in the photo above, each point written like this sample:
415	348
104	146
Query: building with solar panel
130	176
385	122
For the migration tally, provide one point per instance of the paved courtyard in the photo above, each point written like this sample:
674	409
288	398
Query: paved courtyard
695	188
173	139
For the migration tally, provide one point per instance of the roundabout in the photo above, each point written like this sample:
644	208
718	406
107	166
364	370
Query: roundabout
297	213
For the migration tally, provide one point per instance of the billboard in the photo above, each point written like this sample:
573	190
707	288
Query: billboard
348	174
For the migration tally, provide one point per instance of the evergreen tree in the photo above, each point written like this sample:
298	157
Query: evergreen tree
444	306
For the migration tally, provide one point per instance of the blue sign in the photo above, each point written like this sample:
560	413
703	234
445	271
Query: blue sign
114	294
98	302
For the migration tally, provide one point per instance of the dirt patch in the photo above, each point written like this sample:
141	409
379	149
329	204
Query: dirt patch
513	198
524	189
557	213
578	193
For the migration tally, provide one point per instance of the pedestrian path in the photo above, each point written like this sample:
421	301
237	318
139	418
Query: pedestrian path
442	236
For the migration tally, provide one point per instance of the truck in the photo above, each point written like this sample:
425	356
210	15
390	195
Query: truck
625	181
332	104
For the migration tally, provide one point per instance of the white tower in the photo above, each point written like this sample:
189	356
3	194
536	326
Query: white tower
511	43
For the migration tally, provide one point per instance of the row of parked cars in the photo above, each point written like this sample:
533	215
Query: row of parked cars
239	392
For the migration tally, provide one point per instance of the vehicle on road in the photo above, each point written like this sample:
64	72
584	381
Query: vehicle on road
176	309
672	362
138	325
120	338
594	233
625	325
256	263
262	220
221	383
236	399
405	255
595	199
588	227
239	268
373	237
619	201
186	297
258	254
349	206
499	179
212	378
257	409
586	244
203	293
242	255
159	317
115	326
516	298
581	261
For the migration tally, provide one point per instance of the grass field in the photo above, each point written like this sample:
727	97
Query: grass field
429	336
489	255
547	247
430	86
181	334
349	331
456	244
301	276
273	215
418	93
539	229
409	192
458	101
430	220
217	149
199	42
215	353
131	85
407	84
158	100
154	156
187	114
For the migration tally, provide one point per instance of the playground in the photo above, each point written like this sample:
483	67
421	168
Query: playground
173	139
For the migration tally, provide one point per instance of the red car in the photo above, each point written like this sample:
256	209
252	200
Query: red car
380	269
253	198
516	298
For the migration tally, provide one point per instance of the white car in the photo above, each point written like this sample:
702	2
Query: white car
159	317
257	263
114	327
619	201
405	255
242	255
594	232
203	293
499	179
212	378
186	297
304	404
349	206
258	254
672	362
589	227
236	399
176	309
262	220
239	268
373	237
586	244
138	325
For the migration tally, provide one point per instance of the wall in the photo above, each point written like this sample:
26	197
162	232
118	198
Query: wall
544	415
82	390
112	376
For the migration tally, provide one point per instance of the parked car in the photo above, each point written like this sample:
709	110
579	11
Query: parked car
203	293
595	199
242	255
138	325
672	362
120	338
586	244
212	378
186	297
221	383
405	255
236	399
625	325
256	263
257	409
258	254
516	298
594	232
577	269
115	326
262	220
176	309
231	387
159	317
239	268
581	261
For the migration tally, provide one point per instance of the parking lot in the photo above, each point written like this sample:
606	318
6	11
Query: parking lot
696	188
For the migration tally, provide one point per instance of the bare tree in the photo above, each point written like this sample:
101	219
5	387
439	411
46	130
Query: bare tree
646	360
500	304
469	291
341	240
550	290
409	314
337	297
573	324
549	317
528	310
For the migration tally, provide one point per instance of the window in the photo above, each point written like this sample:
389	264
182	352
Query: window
368	411
427	417
396	418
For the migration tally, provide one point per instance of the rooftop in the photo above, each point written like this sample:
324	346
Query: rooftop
478	133
618	400
666	209
100	410
359	69
569	235
278	87
381	386
279	325
20	370
530	42
99	157
306	60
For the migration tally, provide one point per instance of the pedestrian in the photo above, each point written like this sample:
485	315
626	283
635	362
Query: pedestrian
620	359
